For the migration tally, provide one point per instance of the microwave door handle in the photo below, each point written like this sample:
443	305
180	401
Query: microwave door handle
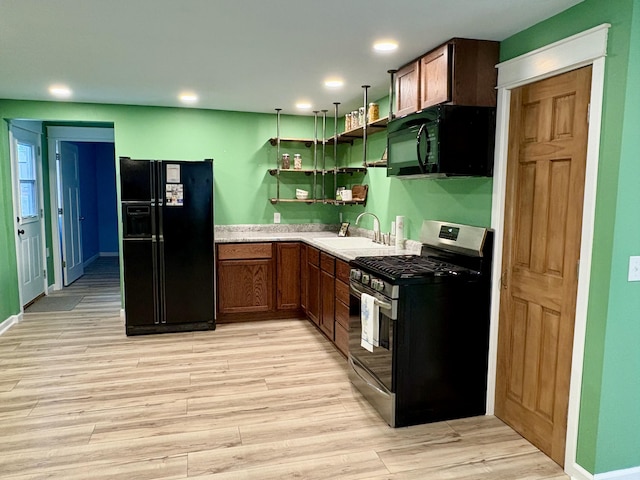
421	162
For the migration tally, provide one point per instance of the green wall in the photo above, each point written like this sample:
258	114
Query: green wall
236	141
609	425
238	144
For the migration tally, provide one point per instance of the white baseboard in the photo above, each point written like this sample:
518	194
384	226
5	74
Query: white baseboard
626	474
109	254
578	473
10	322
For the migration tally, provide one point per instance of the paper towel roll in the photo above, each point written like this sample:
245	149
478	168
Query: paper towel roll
400	231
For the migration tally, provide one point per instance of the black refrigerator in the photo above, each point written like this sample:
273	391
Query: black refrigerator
167	245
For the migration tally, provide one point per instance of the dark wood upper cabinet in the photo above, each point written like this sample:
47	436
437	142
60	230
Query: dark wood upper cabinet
407	89
459	72
434	78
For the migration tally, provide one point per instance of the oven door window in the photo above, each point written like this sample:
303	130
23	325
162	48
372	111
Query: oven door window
379	363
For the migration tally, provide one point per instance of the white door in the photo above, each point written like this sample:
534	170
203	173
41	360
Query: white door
72	266
25	155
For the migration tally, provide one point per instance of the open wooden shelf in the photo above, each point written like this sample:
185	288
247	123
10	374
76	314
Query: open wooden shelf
306	171
349	135
306	141
293	200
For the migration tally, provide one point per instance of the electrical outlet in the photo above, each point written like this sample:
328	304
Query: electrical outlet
276	217
634	269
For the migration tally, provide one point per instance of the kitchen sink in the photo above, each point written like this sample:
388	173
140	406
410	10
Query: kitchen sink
350	243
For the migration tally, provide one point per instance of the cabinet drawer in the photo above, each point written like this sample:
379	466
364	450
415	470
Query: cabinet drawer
313	256
342	271
342	292
244	251
342	314
327	263
342	339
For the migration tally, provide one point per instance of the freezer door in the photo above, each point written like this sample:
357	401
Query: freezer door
186	241
136	180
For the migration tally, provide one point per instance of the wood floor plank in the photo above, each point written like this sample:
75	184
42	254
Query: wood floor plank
361	465
254	400
163	468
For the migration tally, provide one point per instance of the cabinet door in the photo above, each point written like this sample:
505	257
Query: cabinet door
473	72
407	89
288	275
245	286
435	86
313	293
327	310
304	275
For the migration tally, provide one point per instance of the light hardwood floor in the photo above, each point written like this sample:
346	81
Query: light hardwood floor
263	400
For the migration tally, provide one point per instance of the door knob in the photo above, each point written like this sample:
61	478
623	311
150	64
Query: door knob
20	232
81	218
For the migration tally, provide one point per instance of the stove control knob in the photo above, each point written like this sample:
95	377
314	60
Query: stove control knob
365	278
377	284
355	274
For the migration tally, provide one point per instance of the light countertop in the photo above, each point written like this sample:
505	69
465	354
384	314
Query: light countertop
309	237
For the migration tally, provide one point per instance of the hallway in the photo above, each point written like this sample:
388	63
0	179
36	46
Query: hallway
99	288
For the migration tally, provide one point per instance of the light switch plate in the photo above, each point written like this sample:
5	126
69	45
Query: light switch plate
634	269
276	217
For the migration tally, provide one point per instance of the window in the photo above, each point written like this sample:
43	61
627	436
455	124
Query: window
27	178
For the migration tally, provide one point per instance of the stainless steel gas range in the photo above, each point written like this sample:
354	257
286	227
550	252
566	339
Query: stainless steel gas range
430	358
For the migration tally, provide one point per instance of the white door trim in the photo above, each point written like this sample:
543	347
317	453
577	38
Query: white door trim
586	48
66	134
35	128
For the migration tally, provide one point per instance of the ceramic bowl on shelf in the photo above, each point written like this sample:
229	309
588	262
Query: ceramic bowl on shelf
301	194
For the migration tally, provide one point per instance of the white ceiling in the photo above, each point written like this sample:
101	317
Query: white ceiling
246	55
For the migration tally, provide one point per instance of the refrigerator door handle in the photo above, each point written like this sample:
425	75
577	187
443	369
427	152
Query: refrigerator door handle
156	304
162	303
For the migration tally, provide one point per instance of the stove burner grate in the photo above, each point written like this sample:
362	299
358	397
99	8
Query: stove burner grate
410	266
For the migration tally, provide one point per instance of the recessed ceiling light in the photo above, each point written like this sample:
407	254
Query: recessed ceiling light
333	83
188	97
385	46
60	91
303	105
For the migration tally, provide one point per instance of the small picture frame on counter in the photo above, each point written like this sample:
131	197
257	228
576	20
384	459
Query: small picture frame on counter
344	226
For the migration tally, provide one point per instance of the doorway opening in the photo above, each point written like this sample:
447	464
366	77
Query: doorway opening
82	179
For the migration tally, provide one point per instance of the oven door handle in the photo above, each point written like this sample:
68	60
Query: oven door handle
379	303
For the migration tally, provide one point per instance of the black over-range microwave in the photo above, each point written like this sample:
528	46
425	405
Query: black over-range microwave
441	141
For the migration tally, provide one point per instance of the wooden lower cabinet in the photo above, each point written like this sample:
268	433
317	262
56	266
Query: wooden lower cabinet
304	269
258	281
328	293
245	278
327	288
288	276
341	332
313	285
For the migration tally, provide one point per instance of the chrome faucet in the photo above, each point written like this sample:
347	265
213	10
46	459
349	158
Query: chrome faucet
377	236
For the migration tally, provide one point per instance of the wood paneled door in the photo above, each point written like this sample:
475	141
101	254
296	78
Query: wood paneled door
543	220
